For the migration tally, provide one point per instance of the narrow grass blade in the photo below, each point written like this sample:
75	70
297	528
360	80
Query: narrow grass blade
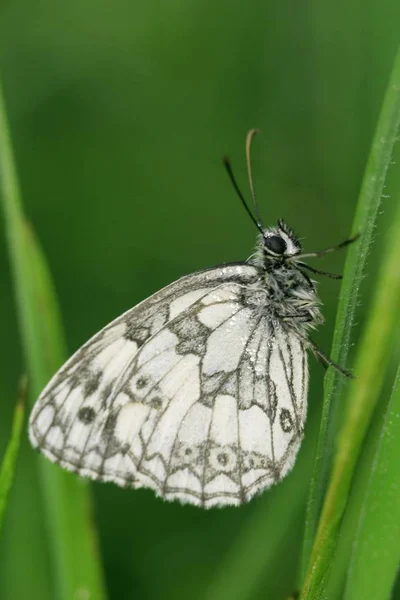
376	551
371	365
364	222
77	569
7	469
334	587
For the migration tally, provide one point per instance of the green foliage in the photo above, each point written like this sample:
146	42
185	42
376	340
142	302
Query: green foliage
65	499
120	114
373	353
376	552
7	469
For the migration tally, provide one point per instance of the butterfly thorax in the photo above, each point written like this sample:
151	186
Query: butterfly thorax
290	294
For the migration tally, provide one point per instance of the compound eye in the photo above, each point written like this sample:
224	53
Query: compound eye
276	244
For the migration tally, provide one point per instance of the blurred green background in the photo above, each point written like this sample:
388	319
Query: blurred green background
120	114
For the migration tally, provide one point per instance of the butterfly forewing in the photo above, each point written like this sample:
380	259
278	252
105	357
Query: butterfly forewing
196	392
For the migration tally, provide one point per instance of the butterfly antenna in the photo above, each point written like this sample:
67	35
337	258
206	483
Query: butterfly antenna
228	167
249	140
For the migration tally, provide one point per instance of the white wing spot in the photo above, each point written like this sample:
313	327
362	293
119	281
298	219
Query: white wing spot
231	337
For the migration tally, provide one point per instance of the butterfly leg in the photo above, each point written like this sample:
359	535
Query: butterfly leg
301	265
301	316
328	362
332	249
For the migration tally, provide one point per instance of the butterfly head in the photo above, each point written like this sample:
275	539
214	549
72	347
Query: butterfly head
280	241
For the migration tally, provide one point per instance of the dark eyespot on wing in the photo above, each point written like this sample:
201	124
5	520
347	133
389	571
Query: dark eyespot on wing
286	420
86	415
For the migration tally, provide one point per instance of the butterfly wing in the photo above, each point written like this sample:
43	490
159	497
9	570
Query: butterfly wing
195	392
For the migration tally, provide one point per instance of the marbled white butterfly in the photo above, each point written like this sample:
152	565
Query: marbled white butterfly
200	391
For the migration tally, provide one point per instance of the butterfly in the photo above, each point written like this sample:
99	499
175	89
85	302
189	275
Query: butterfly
200	391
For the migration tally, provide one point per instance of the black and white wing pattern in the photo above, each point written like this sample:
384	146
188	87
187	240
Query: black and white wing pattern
198	392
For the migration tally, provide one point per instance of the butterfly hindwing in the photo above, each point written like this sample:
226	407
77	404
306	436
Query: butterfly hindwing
195	392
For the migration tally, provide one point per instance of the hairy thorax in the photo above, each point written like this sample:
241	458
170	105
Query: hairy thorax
288	296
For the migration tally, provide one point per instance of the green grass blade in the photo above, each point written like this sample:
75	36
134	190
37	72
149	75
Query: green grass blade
348	527
364	222
7	469
77	569
376	551
371	365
